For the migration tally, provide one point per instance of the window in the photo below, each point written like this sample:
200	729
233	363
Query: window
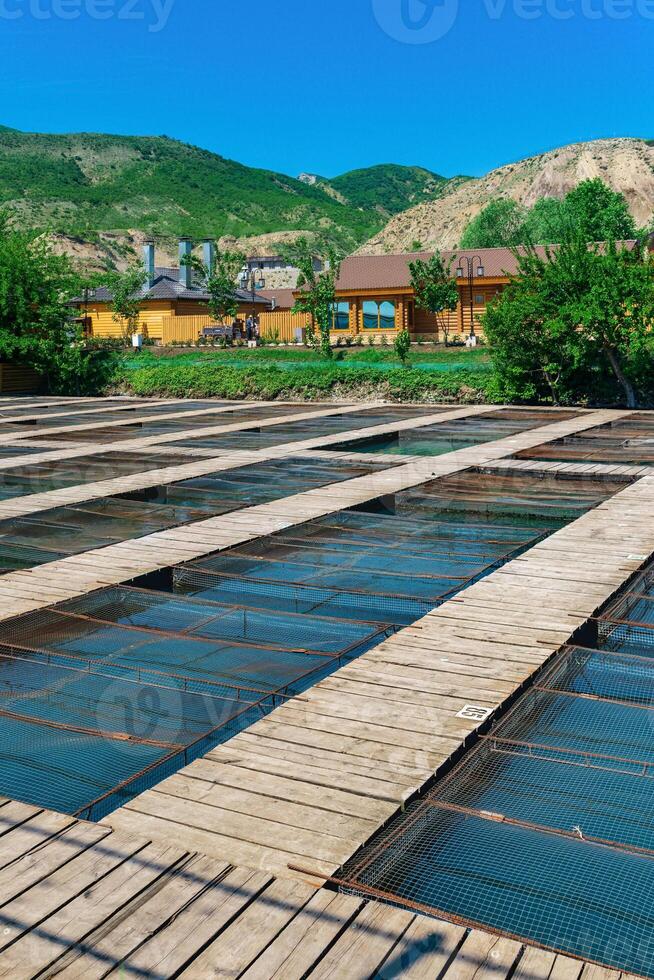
341	316
480	299
387	316
370	315
378	316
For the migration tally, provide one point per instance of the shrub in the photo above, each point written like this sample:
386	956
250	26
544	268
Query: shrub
402	346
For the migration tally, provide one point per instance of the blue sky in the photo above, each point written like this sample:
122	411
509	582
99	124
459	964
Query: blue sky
459	86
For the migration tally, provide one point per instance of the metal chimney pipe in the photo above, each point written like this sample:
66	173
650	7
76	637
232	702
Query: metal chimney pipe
209	254
185	271
148	261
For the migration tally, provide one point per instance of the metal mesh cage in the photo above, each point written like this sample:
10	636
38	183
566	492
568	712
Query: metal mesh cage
143	681
544	831
628	441
542	887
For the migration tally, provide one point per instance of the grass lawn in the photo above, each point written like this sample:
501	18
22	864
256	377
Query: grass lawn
434	373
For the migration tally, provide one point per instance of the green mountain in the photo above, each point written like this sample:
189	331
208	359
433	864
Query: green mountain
86	184
390	189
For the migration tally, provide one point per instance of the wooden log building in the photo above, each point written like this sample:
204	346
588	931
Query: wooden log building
374	299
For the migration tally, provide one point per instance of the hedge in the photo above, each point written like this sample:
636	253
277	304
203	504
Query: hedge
168	379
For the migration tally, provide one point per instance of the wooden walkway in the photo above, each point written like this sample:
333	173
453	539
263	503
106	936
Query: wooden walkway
187	438
232	459
209	462
379	728
79	902
217	870
31	589
37	413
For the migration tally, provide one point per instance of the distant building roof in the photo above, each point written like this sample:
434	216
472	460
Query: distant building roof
392	271
167	286
284	298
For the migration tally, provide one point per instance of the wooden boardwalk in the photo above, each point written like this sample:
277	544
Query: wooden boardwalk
79	902
232	459
379	728
187	438
209	462
32	589
216	872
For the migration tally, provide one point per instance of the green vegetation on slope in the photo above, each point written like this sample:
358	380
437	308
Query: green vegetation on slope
592	211
389	188
82	184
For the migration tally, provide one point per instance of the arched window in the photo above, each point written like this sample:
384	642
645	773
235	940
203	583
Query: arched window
370	314
378	316
341	316
387	316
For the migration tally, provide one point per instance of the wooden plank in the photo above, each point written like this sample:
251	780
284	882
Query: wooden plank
238	946
369	940
193	884
424	951
214	844
29	906
21	873
89	910
301	943
482	957
32	833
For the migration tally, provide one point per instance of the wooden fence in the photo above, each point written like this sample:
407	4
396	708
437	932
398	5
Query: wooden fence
281	325
183	329
15	378
277	325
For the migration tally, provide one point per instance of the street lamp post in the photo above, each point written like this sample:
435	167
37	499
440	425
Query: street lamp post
251	281
469	270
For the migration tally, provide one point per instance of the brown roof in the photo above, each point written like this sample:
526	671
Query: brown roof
284	299
392	271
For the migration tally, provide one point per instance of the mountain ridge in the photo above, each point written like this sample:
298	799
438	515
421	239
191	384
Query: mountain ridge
103	192
626	164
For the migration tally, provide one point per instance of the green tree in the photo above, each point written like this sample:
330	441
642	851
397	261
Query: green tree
501	224
576	325
547	222
435	289
318	293
402	345
37	326
127	296
220	282
591	211
595	213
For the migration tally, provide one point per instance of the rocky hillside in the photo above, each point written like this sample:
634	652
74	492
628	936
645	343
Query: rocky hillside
101	195
626	165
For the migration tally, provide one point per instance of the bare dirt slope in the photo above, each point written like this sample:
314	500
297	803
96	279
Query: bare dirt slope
626	165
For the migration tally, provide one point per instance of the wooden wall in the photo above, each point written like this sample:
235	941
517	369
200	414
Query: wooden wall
151	321
182	322
15	378
281	325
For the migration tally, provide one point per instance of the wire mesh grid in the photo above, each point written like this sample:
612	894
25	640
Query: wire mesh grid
292	431
603	674
545	830
301	599
629	441
224	645
35	539
542	887
445	437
